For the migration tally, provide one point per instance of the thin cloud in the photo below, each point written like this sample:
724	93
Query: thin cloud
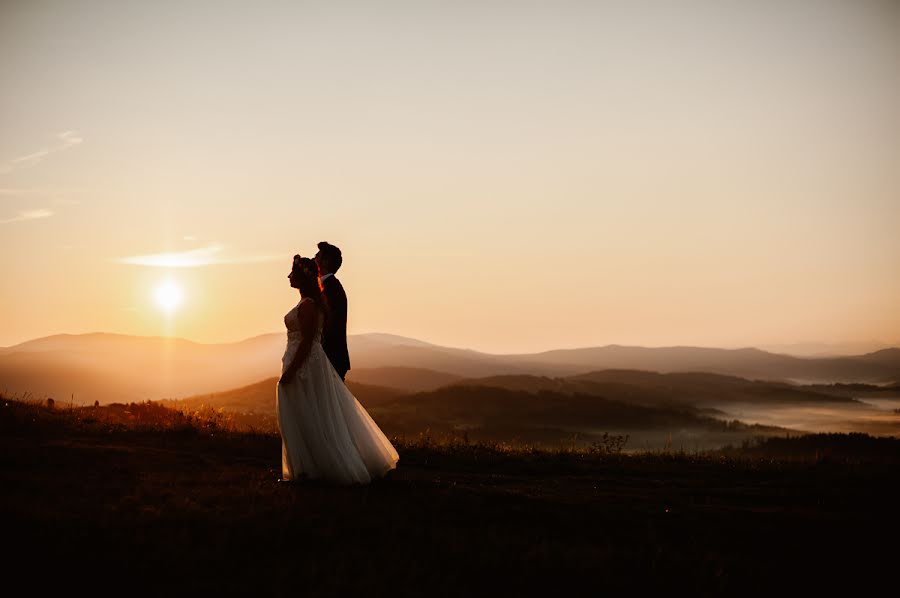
28	215
66	139
195	258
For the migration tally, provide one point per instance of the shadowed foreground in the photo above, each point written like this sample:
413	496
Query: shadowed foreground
192	510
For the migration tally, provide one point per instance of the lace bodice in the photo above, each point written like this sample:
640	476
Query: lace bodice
292	322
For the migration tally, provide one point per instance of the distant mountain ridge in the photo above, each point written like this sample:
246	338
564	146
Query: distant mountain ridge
115	367
827	349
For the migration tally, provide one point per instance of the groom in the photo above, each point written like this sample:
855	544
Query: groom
334	334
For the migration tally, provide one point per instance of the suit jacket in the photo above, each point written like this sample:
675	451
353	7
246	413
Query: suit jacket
334	333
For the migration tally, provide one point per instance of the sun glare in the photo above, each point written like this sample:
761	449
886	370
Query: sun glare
169	296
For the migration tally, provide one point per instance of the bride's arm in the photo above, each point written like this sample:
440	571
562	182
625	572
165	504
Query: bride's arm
307	314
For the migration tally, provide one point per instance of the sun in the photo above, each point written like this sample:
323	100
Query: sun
168	296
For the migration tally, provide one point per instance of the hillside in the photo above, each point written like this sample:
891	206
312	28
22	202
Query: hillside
553	418
692	389
695	388
111	367
115	368
402	378
177	509
260	397
485	410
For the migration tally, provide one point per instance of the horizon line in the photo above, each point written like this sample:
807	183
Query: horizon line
895	345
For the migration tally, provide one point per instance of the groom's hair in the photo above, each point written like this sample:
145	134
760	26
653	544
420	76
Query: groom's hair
331	254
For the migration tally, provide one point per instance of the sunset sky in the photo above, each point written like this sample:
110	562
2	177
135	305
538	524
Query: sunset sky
504	176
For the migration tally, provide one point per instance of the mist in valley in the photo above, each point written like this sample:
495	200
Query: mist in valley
874	416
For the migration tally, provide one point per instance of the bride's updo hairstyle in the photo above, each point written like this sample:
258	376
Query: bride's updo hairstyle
305	275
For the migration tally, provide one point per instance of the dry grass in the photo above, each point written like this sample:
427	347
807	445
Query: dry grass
134	499
20	416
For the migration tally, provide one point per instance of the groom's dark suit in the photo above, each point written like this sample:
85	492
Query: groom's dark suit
334	334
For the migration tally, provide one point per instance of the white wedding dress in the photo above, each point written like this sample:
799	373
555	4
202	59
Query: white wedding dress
325	432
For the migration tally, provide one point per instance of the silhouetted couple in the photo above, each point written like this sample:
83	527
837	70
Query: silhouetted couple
325	431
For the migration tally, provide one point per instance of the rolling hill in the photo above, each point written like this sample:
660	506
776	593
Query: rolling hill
260	397
481	411
497	414
115	368
402	378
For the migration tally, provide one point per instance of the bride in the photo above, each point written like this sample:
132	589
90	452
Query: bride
325	432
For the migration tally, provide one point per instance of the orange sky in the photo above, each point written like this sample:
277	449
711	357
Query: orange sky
562	174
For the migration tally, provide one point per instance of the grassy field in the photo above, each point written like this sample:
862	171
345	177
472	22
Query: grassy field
156	502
